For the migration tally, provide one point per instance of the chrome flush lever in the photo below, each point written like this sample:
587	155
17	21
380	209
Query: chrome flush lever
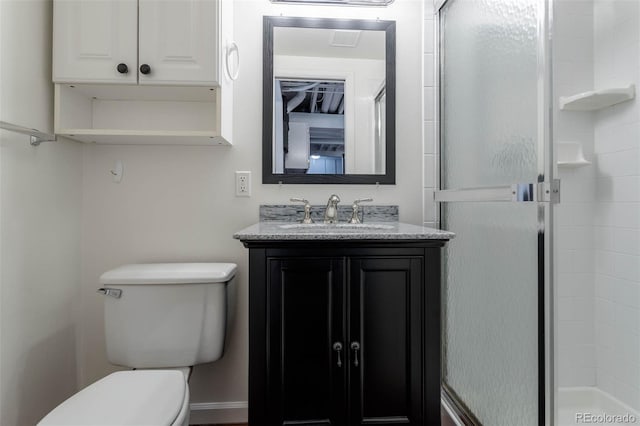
113	292
355	347
337	346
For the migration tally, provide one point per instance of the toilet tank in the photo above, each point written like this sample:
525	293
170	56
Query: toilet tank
163	315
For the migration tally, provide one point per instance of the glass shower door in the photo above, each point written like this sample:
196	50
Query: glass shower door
496	194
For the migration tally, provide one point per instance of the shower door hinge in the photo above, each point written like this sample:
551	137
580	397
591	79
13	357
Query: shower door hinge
549	192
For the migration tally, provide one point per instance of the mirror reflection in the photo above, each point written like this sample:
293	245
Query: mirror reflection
309	126
327	81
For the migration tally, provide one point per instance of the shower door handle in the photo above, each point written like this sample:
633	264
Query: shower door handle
544	192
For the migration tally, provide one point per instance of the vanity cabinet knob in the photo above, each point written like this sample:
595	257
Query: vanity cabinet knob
122	68
355	347
337	347
145	69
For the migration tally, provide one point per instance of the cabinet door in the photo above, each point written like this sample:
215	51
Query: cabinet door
385	342
307	379
178	41
91	38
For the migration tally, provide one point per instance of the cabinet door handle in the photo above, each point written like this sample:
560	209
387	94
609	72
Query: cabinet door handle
122	68
145	69
232	47
355	347
337	346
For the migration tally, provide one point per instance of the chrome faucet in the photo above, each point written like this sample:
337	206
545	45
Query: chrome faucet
331	212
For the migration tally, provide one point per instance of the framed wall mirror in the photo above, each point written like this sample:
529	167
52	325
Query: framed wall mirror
328	101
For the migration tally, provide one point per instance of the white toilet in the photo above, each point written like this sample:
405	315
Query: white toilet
160	319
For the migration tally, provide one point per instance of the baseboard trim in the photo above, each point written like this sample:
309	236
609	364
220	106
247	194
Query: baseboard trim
219	412
197	406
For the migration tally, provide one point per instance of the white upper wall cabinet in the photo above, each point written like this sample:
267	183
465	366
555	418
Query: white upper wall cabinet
155	42
144	71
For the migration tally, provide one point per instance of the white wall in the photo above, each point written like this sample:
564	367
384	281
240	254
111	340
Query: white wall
617	212
40	192
178	203
573	73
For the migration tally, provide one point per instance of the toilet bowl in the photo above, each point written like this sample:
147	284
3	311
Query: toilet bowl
160	319
127	398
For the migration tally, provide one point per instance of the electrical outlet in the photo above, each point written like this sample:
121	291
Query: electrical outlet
243	184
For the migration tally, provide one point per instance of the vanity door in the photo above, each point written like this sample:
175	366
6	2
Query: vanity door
386	341
306	351
345	335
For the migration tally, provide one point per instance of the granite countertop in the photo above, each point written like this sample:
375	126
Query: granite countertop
341	231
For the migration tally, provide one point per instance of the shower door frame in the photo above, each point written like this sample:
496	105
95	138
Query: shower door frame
546	193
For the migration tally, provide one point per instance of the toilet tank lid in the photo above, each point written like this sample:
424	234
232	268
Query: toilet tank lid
170	273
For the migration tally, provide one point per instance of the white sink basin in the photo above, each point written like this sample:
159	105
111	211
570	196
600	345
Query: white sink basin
337	227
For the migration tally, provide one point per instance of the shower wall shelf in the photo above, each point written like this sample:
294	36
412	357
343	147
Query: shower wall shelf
597	99
570	155
36	135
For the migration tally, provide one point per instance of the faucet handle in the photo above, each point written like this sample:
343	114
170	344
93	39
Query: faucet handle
307	209
355	206
362	200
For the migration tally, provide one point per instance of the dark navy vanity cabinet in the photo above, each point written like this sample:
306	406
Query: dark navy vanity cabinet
344	332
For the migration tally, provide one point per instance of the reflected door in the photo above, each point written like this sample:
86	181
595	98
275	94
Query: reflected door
496	195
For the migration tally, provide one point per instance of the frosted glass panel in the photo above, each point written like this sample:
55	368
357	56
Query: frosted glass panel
489	126
491	302
489	85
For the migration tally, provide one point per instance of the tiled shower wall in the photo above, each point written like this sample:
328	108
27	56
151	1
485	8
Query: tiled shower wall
573	73
597	45
429	142
617	209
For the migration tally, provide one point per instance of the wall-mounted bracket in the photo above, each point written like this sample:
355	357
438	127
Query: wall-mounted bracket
37	136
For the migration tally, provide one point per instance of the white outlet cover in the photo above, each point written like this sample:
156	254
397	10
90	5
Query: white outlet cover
243	183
